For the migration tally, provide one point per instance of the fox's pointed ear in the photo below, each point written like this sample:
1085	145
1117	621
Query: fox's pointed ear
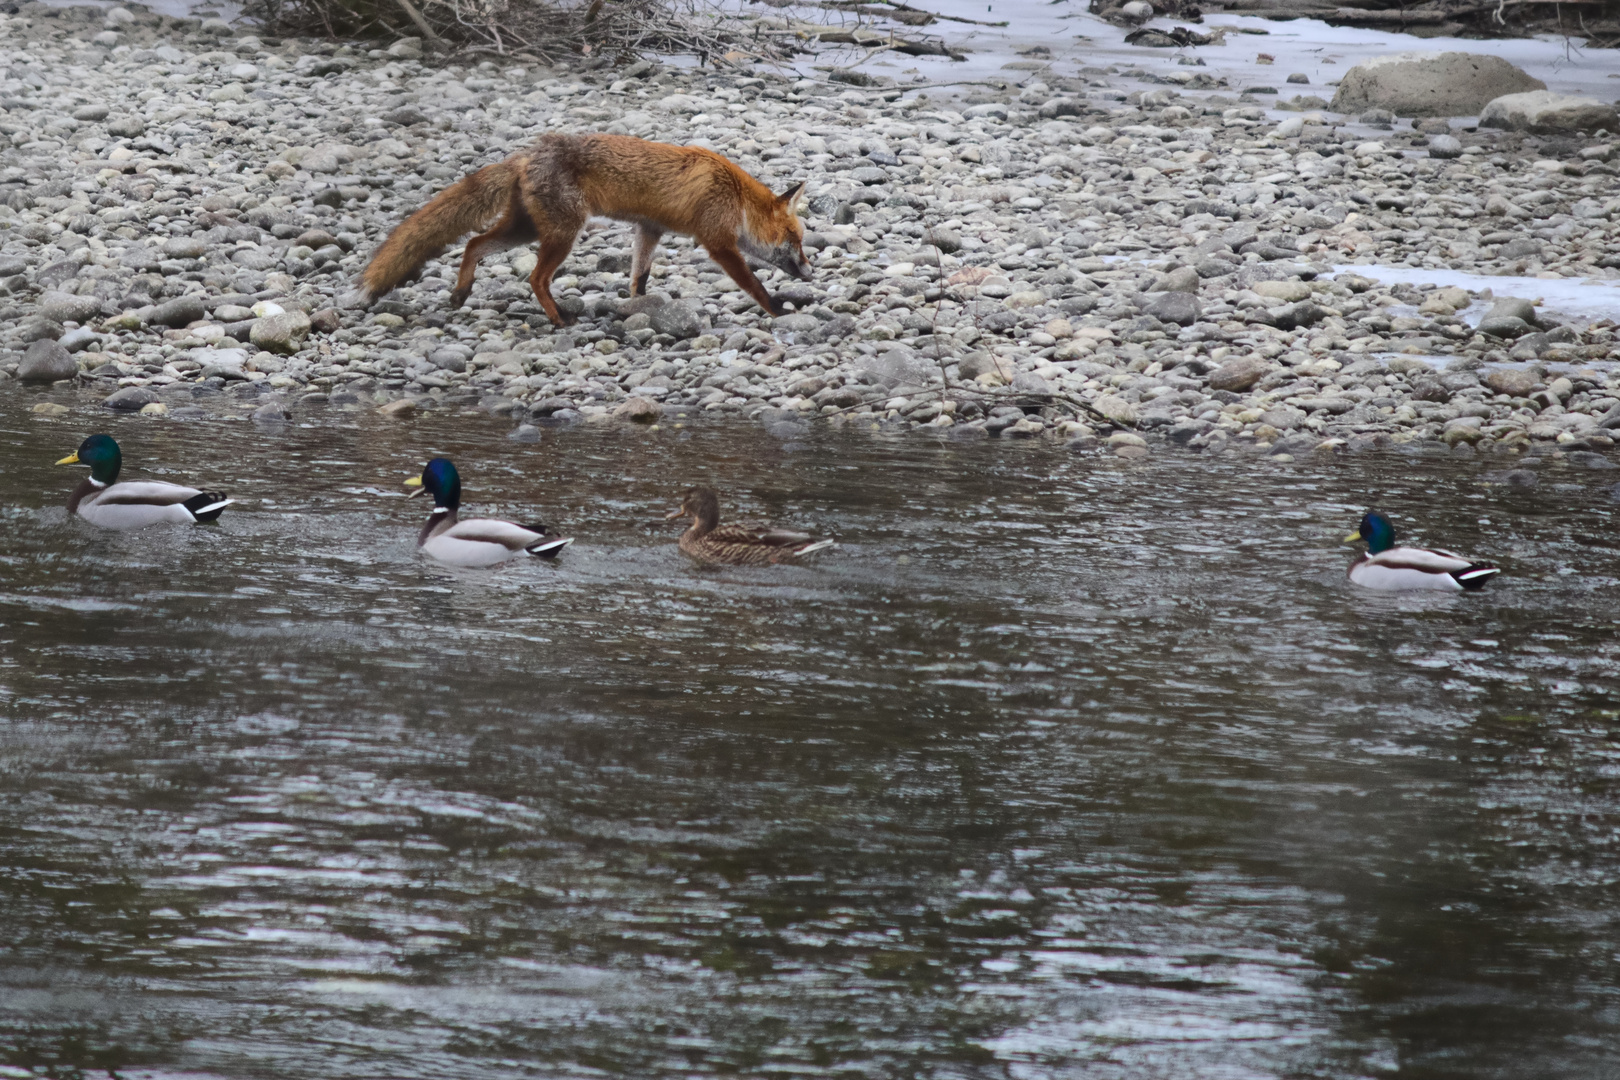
793	196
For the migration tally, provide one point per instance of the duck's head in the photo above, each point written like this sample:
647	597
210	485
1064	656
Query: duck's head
439	478
1376	530
701	504
101	454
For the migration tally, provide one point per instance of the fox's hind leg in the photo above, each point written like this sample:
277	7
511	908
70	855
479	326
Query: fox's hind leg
558	211
647	237
553	250
513	229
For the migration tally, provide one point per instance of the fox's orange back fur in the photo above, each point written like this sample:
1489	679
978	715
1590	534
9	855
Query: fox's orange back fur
550	189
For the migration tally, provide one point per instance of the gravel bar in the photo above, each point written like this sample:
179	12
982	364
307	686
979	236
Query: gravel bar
183	206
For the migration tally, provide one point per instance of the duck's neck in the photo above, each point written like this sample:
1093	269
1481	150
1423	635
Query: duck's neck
704	521
442	518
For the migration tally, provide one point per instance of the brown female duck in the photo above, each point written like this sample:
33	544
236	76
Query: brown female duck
706	540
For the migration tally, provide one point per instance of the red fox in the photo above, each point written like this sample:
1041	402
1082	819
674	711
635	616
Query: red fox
547	191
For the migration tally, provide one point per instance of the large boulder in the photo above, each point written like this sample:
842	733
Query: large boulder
281	333
1430	84
1180	308
680	319
1545	113
47	361
899	366
406	48
1514	382
1239	375
129	399
180	312
638	409
66	307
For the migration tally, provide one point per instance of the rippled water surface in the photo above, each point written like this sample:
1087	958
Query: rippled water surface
1059	766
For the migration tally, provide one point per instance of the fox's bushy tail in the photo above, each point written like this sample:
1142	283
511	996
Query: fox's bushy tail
471	203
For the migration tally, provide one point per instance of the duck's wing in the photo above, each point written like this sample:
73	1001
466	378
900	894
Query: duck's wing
506	534
756	534
146	493
1471	574
745	544
1429	560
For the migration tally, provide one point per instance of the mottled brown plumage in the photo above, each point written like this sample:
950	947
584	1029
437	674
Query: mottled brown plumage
708	541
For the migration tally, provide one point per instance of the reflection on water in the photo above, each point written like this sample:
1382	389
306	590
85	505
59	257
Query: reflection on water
1058	766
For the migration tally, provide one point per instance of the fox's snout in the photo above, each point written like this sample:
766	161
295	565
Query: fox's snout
797	265
785	255
788	257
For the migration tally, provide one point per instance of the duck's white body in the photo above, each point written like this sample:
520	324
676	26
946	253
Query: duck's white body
483	541
138	503
1405	569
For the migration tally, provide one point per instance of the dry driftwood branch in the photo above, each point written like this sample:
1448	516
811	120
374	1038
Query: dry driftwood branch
1392	17
421	23
905	13
871	39
854	7
944	18
547	30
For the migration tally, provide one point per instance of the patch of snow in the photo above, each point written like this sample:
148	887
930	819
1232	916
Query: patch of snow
1579	299
229	10
1322	53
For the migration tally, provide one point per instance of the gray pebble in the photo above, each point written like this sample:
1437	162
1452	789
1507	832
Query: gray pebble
1445	147
182	311
129	399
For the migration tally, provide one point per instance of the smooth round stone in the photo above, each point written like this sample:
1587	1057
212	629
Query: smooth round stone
1445	147
1504	326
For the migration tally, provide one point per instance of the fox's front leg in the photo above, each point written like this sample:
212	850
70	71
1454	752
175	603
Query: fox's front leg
736	267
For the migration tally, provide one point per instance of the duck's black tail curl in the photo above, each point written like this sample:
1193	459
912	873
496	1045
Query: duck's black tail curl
208	505
1474	577
550	545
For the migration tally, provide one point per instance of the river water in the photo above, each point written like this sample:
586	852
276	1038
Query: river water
1058	766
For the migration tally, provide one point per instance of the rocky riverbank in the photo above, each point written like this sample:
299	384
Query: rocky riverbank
184	205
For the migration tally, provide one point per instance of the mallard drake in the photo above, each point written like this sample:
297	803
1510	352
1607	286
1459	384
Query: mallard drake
101	500
706	540
477	541
1400	569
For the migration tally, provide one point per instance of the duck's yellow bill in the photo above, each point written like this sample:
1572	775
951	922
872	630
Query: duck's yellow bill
71	459
415	482
1352	538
